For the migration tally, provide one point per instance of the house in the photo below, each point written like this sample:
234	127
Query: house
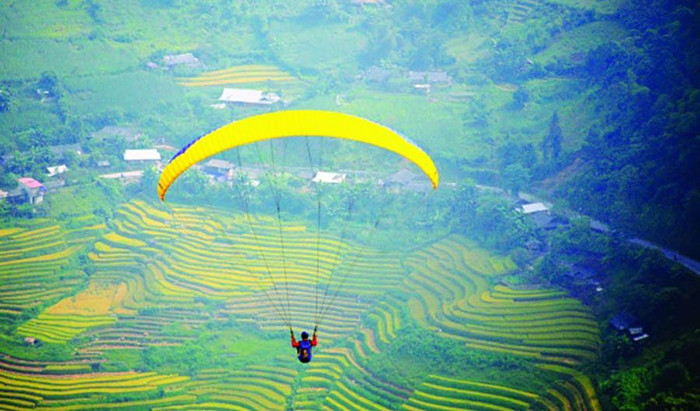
532	208
150	154
422	88
31	191
219	169
252	173
375	74
104	163
406	180
124	176
430	77
186	59
57	170
627	324
329	178
248	96
399	179
129	134
540	216
3	195
61	150
44	95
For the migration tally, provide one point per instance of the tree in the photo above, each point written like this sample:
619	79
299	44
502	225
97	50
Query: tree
93	10
4	100
49	82
551	145
520	98
515	177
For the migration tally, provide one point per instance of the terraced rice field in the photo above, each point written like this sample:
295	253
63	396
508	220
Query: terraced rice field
156	267
83	391
520	11
453	296
238	75
34	264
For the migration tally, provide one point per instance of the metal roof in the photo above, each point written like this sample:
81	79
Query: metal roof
144	154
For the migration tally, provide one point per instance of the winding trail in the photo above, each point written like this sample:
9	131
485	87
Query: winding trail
673	255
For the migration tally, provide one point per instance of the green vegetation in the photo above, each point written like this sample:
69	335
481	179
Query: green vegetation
110	299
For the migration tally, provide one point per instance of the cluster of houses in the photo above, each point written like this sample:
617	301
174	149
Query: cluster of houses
222	171
628	325
582	280
422	81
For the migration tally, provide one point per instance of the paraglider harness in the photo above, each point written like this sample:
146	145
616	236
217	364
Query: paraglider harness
304	346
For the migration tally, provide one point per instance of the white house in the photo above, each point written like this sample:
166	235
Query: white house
248	96
150	154
56	170
187	59
534	208
330	178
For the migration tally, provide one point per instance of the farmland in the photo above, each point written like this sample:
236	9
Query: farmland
164	274
443	299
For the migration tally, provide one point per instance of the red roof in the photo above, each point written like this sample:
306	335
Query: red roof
29	182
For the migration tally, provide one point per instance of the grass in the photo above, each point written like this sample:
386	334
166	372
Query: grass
25	58
116	90
580	40
298	46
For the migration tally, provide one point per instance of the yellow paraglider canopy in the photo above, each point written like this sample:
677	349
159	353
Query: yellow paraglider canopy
294	123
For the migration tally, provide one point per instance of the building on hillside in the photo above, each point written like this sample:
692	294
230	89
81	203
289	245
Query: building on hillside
29	191
124	176
582	282
3	195
532	208
400	179
541	217
129	134
248	96
56	170
375	74
61	150
422	88
184	59
626	324
149	154
429	77
219	169
407	180
329	178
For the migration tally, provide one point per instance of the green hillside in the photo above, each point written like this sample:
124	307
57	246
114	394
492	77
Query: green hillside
451	299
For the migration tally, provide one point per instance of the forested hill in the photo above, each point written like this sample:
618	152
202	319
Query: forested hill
638	166
595	102
108	298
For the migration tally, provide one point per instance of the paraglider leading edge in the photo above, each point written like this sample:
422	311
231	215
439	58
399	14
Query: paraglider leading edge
294	123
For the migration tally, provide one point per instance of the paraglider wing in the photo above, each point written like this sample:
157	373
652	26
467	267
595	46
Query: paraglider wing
294	123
